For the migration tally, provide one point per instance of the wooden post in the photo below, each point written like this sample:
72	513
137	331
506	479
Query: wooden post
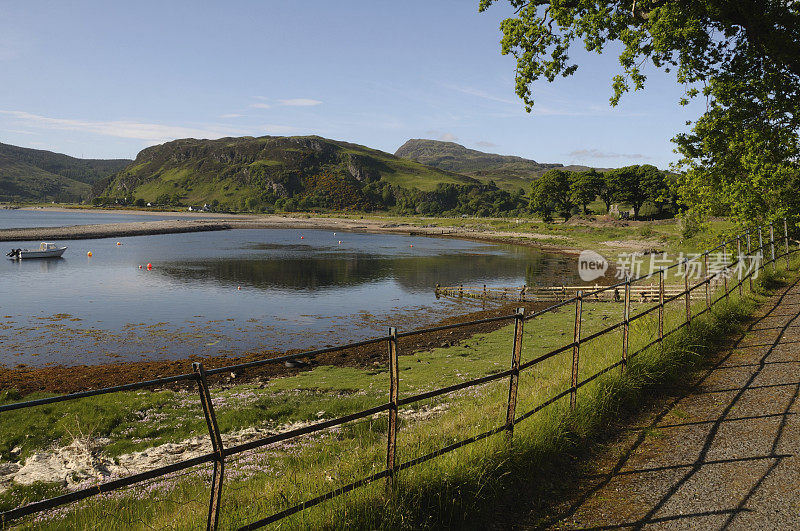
739	262
786	241
626	323
749	254
484	291
760	250
725	269
461	290
394	383
688	293
708	280
216	444
576	350
772	246
661	305
513	383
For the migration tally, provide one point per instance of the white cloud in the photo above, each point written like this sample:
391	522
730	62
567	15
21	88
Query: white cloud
485	144
300	102
19	131
261	105
119	128
274	129
482	94
438	135
597	154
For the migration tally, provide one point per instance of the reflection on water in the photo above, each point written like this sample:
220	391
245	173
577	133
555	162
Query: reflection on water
235	291
413	273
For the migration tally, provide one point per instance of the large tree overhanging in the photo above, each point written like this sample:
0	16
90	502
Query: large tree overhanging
742	55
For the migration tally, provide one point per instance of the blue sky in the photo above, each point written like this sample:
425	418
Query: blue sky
106	79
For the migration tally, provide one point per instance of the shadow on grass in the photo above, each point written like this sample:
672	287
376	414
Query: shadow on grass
541	481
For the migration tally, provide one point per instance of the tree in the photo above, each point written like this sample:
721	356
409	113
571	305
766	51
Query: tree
551	193
585	187
626	186
606	191
654	185
743	56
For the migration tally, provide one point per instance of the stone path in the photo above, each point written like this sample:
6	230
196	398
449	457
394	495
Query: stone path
725	455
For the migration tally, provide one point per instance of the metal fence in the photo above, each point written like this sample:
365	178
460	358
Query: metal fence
220	453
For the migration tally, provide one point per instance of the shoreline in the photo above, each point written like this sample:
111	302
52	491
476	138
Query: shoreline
200	222
64	379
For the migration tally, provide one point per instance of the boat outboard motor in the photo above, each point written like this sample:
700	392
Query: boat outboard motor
14	253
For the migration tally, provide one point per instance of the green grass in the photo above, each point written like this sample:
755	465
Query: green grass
454	490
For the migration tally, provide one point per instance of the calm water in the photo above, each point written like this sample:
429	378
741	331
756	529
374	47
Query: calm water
17	219
295	292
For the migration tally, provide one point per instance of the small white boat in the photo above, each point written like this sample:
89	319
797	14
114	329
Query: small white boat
45	250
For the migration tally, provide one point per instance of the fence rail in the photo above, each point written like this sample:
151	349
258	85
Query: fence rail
643	293
625	290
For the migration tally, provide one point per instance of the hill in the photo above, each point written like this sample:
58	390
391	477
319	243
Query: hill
273	170
509	172
38	175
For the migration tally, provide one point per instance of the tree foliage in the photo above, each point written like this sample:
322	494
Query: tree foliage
585	187
743	56
626	185
560	191
551	193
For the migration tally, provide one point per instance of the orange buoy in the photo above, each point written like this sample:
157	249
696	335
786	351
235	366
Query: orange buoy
89	254
149	267
140	266
340	242
238	287
412	245
118	243
301	237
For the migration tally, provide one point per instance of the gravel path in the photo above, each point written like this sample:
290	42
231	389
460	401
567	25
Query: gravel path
722	456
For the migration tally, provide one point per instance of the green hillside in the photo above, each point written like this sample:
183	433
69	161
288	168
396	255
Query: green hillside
509	172
269	170
38	175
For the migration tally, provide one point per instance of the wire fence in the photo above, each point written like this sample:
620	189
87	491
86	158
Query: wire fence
698	298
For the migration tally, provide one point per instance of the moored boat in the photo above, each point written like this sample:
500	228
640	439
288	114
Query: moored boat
45	250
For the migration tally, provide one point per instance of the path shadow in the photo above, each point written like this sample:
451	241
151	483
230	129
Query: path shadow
559	518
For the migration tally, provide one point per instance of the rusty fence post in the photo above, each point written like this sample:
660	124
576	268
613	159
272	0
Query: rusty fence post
216	445
394	384
739	262
513	383
576	350
661	306
749	257
725	269
687	292
626	323
786	241
708	280
772	247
